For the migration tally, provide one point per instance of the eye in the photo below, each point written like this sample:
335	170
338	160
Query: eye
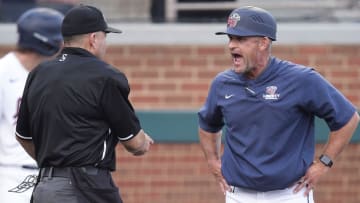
237	38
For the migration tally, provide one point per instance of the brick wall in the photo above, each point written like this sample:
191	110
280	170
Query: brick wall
178	77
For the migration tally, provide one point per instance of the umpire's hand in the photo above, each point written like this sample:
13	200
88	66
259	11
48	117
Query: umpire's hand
139	144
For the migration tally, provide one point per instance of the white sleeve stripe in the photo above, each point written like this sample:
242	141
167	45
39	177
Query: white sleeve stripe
104	152
126	138
22	137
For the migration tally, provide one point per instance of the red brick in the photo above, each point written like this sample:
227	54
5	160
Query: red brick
159	62
354	61
177	74
177	99
345	74
304	60
145	99
141	51
211	50
117	50
176	50
195	86
328	61
165	183
122	63
192	62
312	50
354	85
349	50
144	74
208	75
224	62
137	86
162	86
282	50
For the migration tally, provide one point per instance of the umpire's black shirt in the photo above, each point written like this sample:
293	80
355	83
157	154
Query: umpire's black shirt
75	108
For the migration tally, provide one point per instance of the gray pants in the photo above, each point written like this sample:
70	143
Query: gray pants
55	190
75	185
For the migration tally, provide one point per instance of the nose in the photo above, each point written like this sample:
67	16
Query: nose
232	43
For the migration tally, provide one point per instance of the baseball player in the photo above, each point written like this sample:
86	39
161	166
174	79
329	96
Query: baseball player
39	39
268	106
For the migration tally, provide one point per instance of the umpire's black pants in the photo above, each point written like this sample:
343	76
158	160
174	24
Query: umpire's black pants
75	185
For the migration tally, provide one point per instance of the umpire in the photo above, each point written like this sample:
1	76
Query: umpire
74	111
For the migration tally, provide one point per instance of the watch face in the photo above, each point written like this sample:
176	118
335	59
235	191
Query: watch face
326	160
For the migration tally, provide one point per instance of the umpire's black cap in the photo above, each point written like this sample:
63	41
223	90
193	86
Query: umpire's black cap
85	19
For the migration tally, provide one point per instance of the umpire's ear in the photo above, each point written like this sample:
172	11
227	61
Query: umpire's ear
92	41
95	43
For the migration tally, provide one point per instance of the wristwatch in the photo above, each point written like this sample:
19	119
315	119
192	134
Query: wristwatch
326	160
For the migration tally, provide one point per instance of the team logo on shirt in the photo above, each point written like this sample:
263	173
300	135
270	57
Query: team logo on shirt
270	93
63	57
233	20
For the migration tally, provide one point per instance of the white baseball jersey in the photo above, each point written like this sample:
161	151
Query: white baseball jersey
12	81
12	156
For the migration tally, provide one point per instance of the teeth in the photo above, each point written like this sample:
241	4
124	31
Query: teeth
236	58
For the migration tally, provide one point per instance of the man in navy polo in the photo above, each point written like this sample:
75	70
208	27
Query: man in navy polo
268	107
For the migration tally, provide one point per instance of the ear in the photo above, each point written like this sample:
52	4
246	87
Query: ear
92	40
264	43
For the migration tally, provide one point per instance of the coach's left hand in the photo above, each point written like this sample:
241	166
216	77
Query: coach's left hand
311	178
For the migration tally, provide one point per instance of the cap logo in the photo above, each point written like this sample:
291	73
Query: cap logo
40	37
233	20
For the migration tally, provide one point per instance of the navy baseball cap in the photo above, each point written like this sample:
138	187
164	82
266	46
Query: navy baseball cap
251	21
40	30
85	19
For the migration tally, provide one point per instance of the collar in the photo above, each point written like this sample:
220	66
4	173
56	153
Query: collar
77	51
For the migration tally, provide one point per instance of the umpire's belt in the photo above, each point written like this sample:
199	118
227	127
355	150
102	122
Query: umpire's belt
66	171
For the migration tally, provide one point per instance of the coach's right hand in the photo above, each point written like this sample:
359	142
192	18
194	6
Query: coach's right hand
140	144
215	168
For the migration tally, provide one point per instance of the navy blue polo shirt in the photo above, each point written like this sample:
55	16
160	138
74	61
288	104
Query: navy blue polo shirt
75	109
269	122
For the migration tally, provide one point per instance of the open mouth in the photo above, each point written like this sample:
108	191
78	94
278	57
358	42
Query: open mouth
235	55
236	58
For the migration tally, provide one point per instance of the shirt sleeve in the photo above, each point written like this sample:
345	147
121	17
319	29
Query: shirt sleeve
117	108
210	115
23	121
326	102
